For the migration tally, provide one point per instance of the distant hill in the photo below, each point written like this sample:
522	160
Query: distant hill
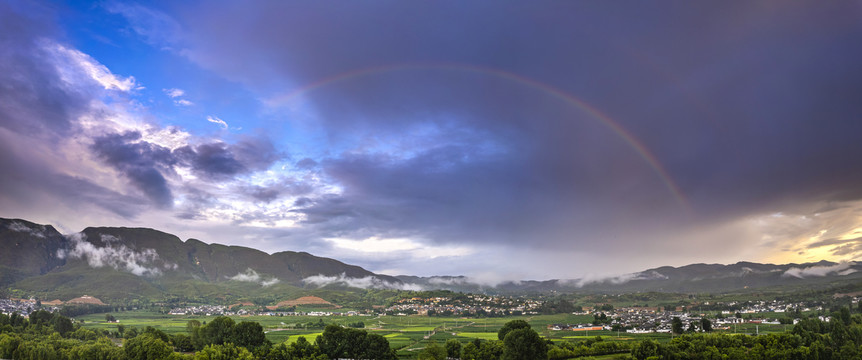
695	278
113	263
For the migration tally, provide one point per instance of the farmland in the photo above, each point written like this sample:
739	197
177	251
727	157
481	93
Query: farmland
406	334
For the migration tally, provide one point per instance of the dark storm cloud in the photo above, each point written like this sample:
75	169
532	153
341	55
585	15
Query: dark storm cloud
211	159
146	164
142	162
830	242
306	164
220	160
37	110
29	184
33	100
440	195
840	247
285	187
745	104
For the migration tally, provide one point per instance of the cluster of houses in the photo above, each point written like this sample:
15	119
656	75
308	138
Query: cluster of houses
652	319
207	310
466	306
23	307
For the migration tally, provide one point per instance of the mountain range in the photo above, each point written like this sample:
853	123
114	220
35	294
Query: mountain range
118	263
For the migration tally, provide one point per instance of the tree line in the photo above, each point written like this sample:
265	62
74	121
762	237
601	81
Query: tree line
52	336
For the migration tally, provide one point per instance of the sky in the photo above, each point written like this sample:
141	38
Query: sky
496	140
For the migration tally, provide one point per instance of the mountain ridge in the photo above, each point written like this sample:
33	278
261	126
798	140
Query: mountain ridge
149	262
699	277
152	263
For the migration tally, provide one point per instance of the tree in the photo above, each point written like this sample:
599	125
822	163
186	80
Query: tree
157	333
377	347
524	344
146	347
844	315
216	332
183	342
191	325
62	324
337	343
40	317
706	325
248	334
331	342
645	349
470	351
453	348
224	352
433	351
511	325
490	350
300	350
676	325
100	349
8	344
110	318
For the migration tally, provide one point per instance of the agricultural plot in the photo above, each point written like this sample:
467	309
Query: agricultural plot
138	319
406	334
478	335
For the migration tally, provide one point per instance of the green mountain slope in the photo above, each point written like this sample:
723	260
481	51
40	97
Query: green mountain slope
120	263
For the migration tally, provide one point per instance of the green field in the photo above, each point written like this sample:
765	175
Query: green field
479	335
407	334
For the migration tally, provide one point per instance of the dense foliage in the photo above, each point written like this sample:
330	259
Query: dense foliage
50	336
840	338
45	335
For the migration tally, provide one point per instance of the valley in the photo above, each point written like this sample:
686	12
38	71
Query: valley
121	283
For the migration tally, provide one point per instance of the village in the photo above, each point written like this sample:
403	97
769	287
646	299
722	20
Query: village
466	305
632	319
640	320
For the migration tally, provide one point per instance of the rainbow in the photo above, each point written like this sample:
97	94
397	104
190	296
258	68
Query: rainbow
550	90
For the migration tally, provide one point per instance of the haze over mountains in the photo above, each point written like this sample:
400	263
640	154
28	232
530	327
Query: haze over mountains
134	262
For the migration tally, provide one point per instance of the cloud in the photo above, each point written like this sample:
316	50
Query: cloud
219	160
484	279
142	162
79	146
282	187
218	121
842	268
75	66
614	279
177	96
499	131
487	148
252	276
33	100
174	93
368	282
156	28
813	231
19	227
118	256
